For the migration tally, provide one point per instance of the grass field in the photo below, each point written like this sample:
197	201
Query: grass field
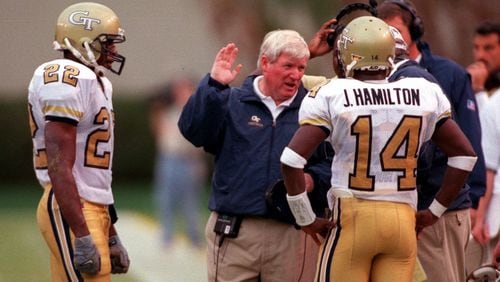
25	255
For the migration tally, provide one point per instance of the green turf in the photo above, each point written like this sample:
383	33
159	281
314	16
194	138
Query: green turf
25	256
24	253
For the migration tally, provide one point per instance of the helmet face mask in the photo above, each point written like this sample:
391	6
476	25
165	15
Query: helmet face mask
88	31
101	46
366	43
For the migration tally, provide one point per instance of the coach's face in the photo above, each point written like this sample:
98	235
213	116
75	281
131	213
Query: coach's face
282	77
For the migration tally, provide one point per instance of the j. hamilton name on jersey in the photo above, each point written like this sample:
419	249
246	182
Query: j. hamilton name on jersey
381	96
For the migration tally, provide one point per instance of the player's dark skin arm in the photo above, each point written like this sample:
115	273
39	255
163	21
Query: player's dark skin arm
304	142
452	141
60	143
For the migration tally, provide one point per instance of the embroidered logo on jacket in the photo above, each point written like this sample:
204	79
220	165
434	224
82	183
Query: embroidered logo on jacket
255	121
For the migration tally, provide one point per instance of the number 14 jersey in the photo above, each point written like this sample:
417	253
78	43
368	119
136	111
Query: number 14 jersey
376	129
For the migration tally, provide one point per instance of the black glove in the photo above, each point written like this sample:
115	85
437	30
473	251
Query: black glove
86	257
119	256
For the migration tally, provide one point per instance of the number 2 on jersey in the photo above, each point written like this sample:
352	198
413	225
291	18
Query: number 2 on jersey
406	134
69	74
92	157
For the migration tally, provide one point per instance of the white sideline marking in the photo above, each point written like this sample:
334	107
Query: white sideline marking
149	261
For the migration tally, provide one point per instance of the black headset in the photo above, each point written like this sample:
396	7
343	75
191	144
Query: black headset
346	10
417	25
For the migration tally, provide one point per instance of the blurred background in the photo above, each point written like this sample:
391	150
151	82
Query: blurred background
165	39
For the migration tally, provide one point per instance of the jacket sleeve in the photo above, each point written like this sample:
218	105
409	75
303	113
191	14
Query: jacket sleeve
467	118
202	118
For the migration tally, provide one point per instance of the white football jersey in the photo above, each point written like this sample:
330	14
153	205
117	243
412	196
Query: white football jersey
66	90
376	129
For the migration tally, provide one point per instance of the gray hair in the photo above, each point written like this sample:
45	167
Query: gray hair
287	41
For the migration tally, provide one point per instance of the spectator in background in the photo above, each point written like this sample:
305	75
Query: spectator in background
486	51
441	247
179	174
246	128
485	230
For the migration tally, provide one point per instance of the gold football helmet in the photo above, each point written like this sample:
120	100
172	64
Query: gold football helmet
366	43
86	29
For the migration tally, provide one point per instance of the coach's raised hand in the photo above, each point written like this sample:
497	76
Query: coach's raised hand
222	68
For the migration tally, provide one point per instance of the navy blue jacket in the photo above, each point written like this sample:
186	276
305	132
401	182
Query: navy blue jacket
410	68
455	82
238	129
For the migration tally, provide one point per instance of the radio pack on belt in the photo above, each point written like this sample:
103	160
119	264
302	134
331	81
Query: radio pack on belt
227	225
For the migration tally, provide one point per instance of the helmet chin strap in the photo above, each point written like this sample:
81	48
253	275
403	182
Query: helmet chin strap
349	67
98	69
391	61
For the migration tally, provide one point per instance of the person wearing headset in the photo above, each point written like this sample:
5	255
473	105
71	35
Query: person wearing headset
441	247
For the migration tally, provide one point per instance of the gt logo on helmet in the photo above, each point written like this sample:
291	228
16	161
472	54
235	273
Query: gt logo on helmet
76	18
343	41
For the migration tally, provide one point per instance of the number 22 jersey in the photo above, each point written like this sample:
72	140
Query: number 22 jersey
64	90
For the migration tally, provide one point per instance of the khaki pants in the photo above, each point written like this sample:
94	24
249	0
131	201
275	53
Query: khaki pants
265	250
59	238
441	247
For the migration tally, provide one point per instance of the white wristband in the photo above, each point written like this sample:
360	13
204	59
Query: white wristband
291	158
462	162
301	208
436	208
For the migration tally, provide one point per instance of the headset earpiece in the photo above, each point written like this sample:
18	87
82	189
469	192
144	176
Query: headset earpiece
417	25
350	12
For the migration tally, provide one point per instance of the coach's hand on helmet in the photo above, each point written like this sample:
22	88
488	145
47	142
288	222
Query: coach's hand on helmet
318	45
86	256
119	256
222	68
